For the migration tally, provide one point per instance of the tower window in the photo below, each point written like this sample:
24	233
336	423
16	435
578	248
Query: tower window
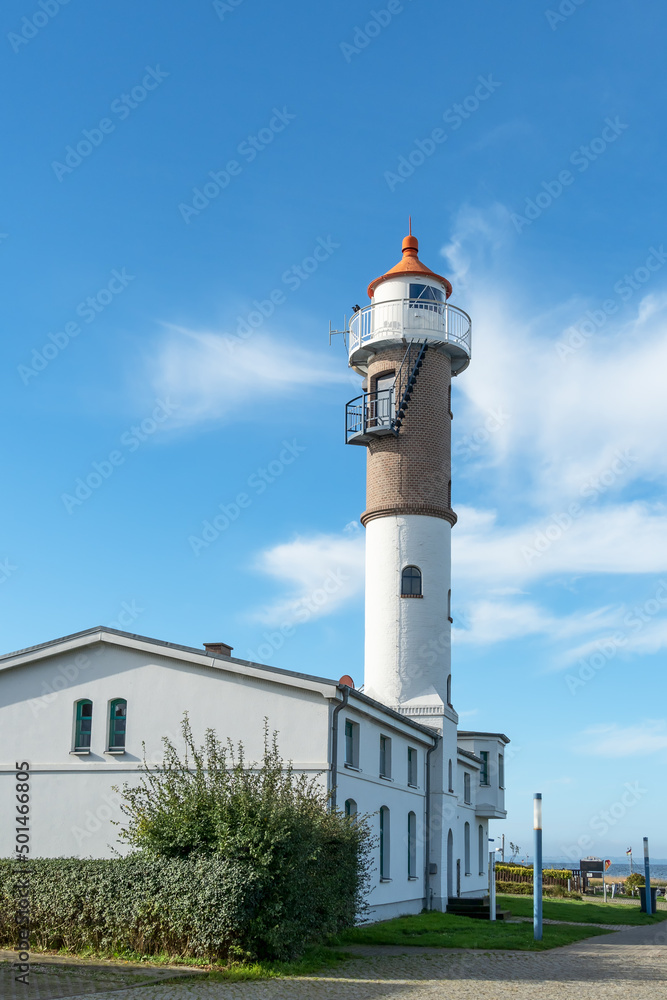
449	690
117	724
466	788
83	725
449	607
501	770
449	493
480	837
411	582
425	295
466	848
451	777
484	773
350	808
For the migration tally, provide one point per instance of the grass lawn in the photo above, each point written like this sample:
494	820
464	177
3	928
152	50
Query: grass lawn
445	930
584	912
316	959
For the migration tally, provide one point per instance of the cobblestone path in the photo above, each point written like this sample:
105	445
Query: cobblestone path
629	963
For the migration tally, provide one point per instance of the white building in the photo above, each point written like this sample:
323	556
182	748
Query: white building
78	709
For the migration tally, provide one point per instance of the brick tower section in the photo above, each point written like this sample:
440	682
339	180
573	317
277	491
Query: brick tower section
411	473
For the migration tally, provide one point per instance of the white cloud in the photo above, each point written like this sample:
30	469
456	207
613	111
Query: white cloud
215	376
612	740
319	574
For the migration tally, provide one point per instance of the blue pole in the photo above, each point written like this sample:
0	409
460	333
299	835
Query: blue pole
537	867
647	878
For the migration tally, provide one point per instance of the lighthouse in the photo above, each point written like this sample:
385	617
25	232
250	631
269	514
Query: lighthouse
408	344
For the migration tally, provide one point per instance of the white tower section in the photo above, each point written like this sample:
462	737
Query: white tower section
408	344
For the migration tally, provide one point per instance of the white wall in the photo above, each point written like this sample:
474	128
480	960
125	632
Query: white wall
71	795
407	653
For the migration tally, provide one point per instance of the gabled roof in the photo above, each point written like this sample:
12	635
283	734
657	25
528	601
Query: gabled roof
325	686
470	756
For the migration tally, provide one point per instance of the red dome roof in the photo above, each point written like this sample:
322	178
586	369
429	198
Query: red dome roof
410	264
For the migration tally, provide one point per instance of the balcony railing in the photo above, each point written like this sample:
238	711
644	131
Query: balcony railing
370	414
412	318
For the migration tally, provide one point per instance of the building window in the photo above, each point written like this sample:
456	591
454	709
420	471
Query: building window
412	767
350	808
412	845
449	690
449	607
484	773
501	770
480	842
84	724
449	493
117	724
385	757
466	848
466	788
411	582
384	843
451	777
351	743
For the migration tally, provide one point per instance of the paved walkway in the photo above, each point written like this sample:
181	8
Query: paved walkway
629	963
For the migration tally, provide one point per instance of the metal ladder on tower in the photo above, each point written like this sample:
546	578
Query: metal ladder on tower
406	378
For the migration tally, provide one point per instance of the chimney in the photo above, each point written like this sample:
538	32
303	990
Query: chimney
219	648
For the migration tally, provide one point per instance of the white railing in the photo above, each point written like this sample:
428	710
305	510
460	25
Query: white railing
411	318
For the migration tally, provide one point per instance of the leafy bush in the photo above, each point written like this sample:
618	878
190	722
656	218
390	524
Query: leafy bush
526	889
229	860
312	864
634	881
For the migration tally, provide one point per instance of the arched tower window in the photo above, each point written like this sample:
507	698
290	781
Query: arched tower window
449	690
83	724
466	848
117	724
411	582
480	837
350	808
450	777
449	606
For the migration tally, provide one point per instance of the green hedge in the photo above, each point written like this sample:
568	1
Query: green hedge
527	871
526	889
197	906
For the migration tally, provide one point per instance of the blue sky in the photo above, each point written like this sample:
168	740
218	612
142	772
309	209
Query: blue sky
165	332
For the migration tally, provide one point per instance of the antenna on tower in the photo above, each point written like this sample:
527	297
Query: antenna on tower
344	331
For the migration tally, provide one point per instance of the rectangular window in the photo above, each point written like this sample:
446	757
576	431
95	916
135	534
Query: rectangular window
385	757
412	767
484	773
466	787
501	770
351	743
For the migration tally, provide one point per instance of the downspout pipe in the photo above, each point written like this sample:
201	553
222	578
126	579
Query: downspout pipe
334	742
427	825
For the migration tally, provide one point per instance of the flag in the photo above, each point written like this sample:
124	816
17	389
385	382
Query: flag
607	865
629	850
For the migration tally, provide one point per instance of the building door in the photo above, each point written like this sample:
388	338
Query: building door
450	864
